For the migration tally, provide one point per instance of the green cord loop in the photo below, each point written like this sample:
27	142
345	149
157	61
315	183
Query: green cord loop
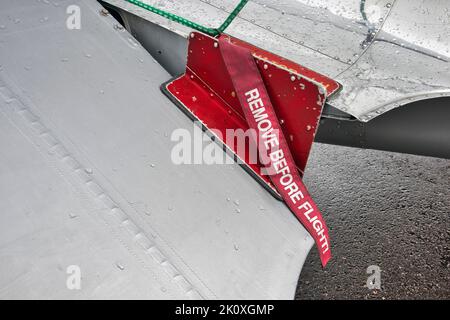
210	31
232	15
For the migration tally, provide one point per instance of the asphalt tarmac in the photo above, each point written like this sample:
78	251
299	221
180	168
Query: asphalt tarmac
383	209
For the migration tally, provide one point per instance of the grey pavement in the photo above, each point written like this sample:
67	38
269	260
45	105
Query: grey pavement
386	209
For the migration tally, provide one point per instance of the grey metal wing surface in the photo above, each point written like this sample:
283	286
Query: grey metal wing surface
391	58
86	178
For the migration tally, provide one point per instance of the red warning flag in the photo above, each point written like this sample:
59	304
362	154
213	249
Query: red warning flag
260	116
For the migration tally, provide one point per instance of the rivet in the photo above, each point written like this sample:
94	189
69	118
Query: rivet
321	90
216	44
118	26
292	78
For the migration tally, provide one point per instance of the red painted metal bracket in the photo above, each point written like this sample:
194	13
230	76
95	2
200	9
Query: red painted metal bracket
205	92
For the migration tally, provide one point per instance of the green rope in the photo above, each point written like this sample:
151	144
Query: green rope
232	15
211	31
362	10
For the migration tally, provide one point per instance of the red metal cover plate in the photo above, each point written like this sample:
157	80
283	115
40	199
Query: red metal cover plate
206	92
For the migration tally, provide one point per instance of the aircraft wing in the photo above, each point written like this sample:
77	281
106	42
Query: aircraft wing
385	53
86	178
391	59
